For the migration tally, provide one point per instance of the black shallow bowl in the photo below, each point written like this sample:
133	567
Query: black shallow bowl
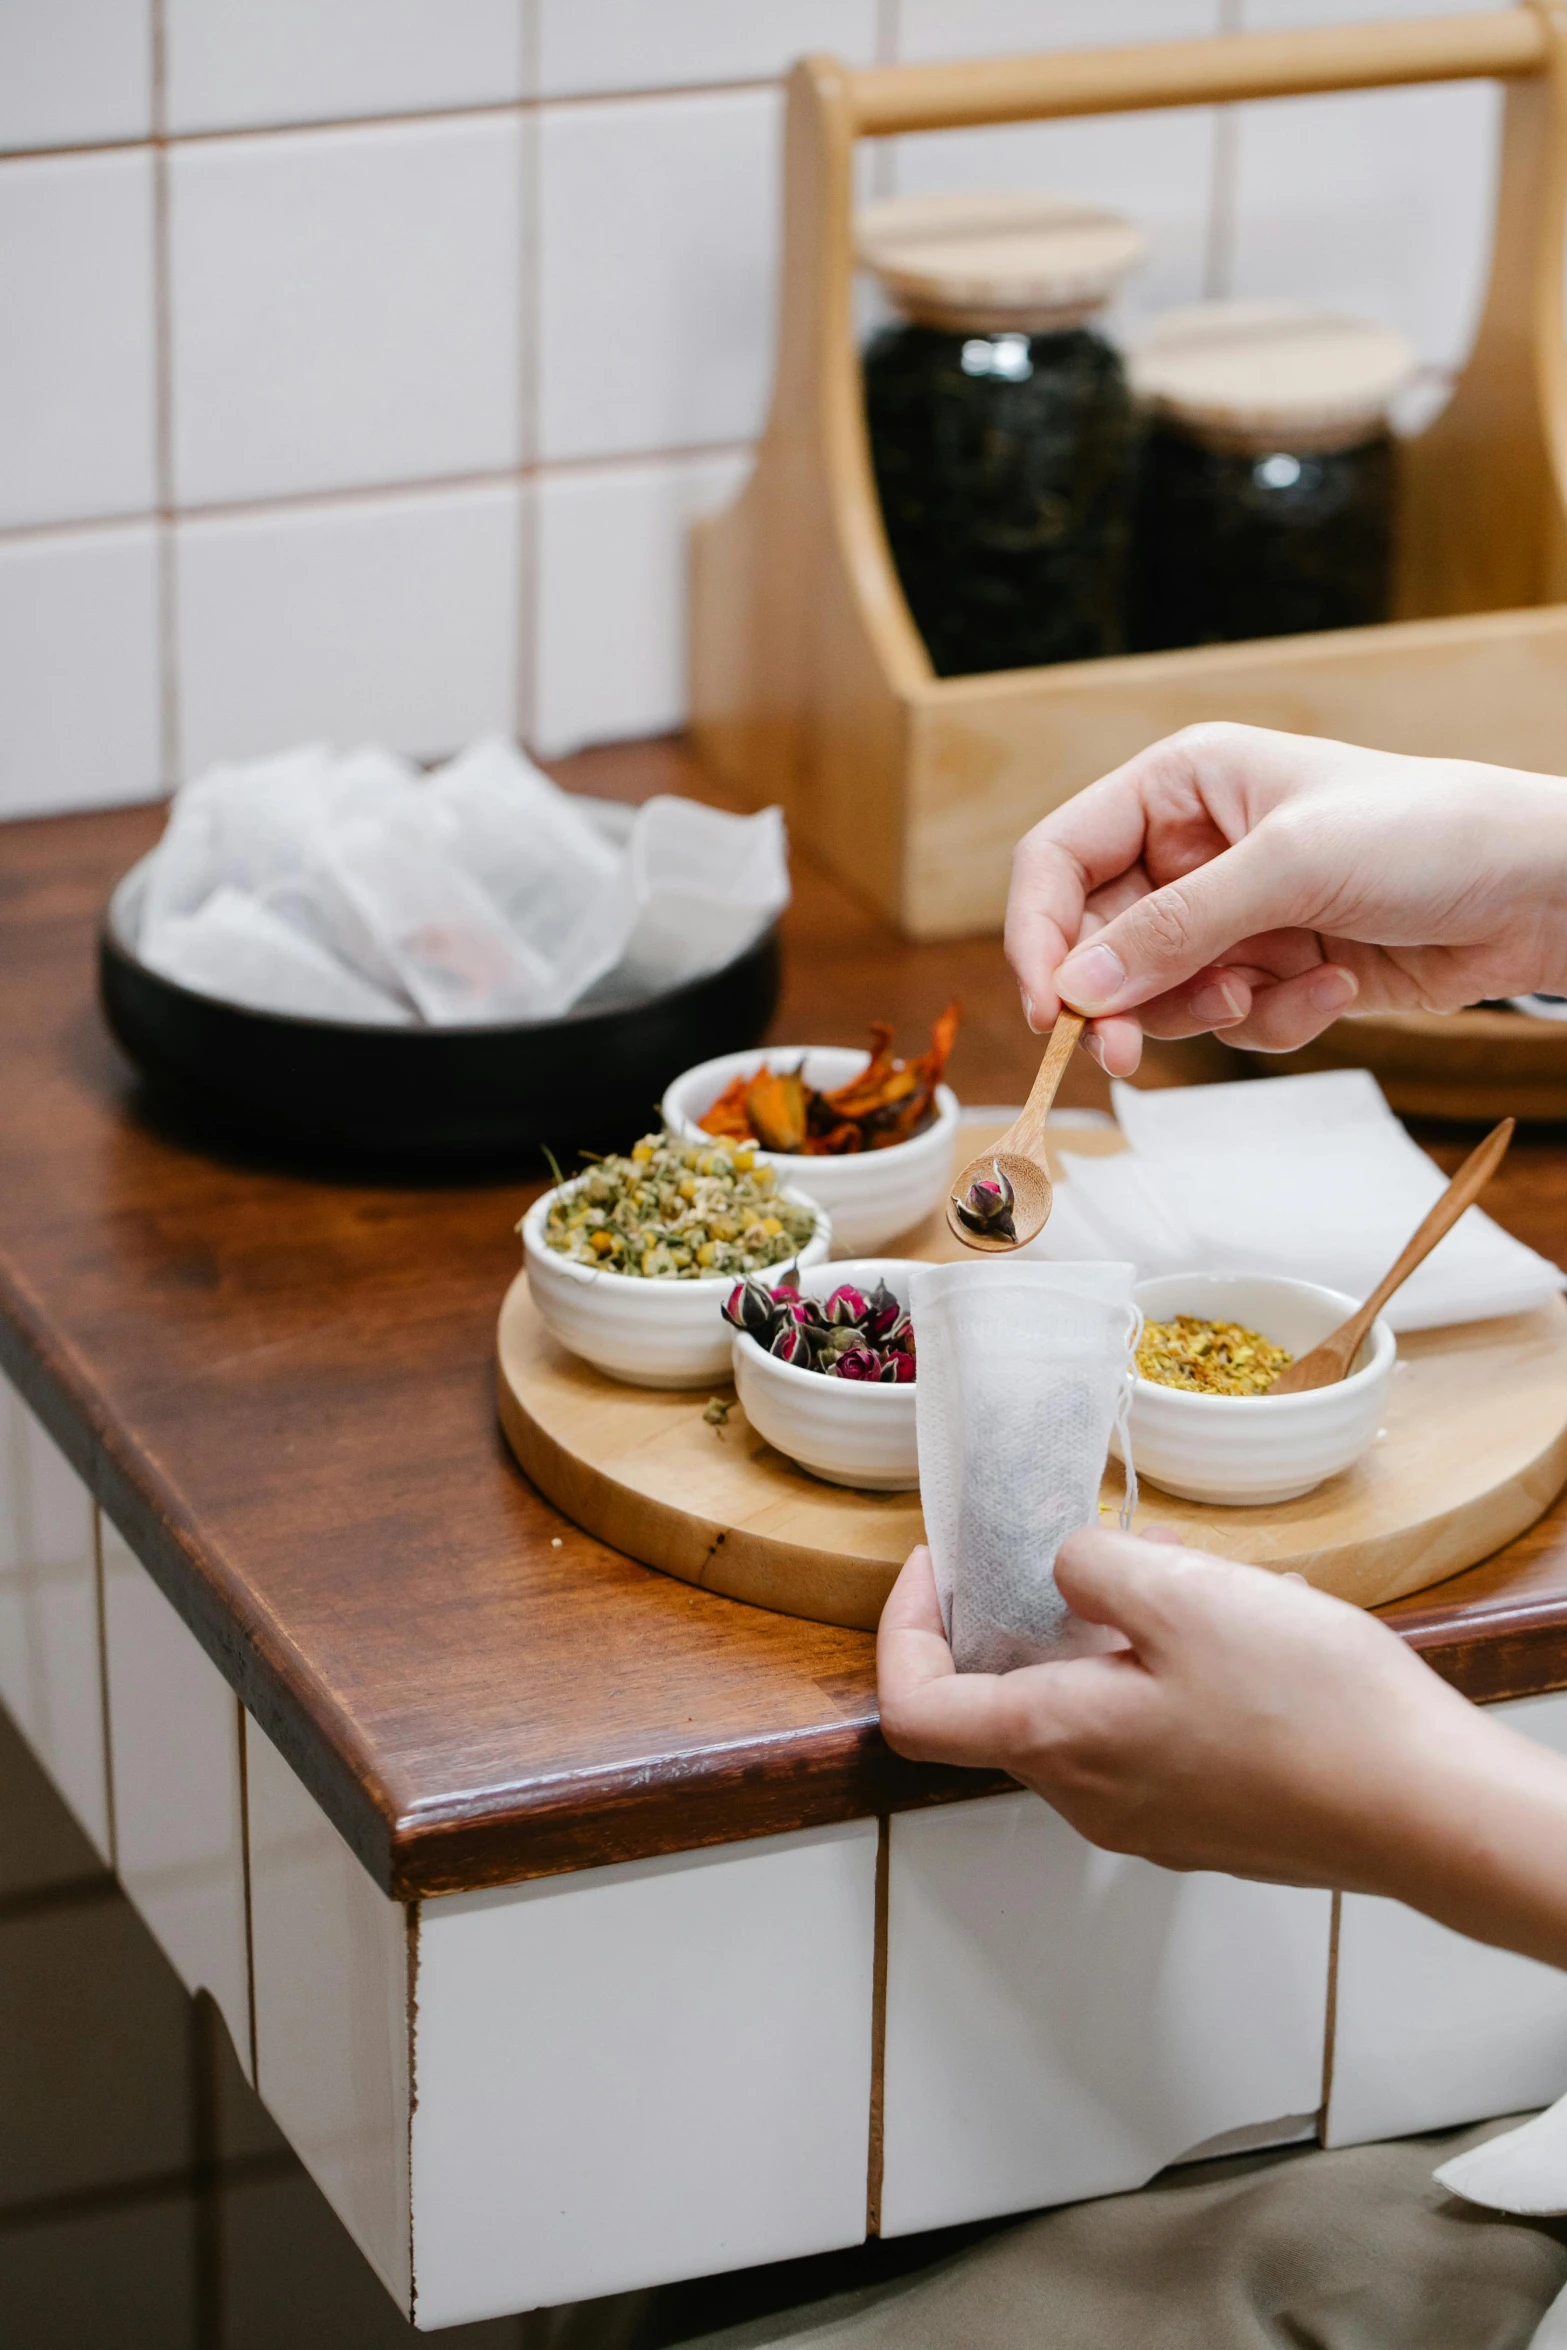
437	1097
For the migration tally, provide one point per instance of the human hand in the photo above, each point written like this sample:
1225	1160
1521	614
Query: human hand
1252	1725
1260	884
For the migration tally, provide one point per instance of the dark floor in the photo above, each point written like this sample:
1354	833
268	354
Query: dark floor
146	2200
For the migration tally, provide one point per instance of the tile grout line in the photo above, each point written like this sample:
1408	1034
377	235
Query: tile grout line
242	1740
72	2203
876	2149
525	659
285	502
393	118
1219	256
163	377
1330	2020
101	1608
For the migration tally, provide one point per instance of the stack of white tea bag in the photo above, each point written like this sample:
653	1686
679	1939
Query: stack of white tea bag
354	888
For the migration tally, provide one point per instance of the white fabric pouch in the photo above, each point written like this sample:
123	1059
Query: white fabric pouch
1024	1369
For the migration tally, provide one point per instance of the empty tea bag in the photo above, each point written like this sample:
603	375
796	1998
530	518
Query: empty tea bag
238	827
1024	1370
538	855
699	886
240	950
441	934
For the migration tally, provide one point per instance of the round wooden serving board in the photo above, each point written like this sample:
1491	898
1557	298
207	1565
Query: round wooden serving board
1475	1451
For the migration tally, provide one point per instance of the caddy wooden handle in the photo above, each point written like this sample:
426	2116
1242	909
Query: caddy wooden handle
1499	43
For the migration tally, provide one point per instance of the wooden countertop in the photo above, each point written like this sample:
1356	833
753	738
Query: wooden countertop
280	1388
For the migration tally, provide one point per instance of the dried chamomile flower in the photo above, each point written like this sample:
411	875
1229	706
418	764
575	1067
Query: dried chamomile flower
1210	1358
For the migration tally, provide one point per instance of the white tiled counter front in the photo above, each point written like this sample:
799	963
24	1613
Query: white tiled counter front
51	1661
1063	2022
1431	2029
175	1746
616	2078
631	2074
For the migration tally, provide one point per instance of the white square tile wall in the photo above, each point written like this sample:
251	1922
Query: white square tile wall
658	229
76	259
346	308
79	681
609	596
388	618
592	45
399	269
73	72
242	63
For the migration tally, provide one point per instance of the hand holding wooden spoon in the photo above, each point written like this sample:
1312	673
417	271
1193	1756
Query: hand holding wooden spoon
1002	1199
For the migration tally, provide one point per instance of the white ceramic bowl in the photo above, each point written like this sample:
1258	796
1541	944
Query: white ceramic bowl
662	1333
873	1197
1250	1449
840	1429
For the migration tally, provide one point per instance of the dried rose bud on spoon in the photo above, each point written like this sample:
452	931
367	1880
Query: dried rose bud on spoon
1002	1199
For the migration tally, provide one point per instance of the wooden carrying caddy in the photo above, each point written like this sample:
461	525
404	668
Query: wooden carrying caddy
810	685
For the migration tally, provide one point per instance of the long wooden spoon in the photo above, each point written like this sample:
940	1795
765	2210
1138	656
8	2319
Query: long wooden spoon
1331	1361
1002	1199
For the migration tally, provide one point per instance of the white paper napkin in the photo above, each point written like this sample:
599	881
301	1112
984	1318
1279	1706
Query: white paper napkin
1310	1177
1523	2171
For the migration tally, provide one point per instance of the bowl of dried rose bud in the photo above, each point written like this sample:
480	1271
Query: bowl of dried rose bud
870	1135
1202	1422
824	1369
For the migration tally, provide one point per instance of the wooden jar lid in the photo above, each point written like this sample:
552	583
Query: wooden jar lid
1271	374
1027	263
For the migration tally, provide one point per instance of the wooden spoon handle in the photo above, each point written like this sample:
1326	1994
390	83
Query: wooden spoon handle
1028	1129
1465	1188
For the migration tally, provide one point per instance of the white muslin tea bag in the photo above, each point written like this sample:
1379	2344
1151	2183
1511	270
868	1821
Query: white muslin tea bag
538	855
240	950
1024	1369
698	886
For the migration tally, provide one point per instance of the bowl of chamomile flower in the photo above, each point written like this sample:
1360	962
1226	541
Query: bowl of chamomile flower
630	1262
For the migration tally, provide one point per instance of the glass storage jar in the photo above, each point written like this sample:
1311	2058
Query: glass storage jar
1265	502
1002	429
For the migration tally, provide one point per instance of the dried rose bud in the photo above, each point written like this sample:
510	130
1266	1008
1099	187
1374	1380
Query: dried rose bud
901	1368
882	1314
859	1362
846	1306
749	1306
791	1345
987	1207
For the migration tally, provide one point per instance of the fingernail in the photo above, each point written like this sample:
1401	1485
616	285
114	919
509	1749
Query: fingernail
1095	1050
1028	1007
1333	988
1091	978
1218	1003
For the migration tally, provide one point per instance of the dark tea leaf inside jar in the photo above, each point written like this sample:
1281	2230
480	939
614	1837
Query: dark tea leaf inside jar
1002	429
1266	489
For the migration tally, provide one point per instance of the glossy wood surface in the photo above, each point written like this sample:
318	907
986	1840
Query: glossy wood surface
281	1389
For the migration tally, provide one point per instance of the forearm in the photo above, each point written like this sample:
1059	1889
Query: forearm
1478	1838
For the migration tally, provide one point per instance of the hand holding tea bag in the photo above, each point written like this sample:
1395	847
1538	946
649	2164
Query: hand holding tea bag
1023	1368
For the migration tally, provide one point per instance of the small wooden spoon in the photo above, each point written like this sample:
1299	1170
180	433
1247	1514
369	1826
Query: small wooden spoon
1018	1156
1326	1364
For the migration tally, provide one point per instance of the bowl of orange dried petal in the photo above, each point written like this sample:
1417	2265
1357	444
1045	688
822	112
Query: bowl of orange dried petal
870	1137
